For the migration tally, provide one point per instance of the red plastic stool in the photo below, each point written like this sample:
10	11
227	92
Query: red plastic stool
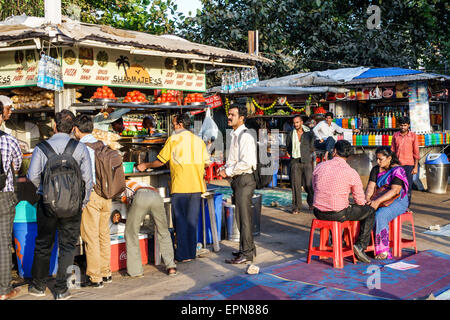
336	252
398	243
355	232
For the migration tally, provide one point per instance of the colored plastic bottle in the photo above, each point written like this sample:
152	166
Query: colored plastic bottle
358	139
378	139
390	139
354	140
433	139
394	121
427	140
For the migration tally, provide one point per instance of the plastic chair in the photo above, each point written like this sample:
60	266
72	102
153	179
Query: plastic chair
397	242
337	252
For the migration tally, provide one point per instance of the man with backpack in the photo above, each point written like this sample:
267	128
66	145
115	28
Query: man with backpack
10	159
61	170
107	172
240	166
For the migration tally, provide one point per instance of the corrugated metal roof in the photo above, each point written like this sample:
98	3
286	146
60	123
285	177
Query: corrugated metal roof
73	31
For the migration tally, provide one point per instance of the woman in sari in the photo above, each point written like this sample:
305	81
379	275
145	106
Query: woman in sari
392	176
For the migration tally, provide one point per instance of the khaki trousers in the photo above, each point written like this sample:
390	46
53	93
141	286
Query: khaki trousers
96	237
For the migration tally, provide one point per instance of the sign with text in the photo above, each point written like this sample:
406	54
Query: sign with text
18	68
419	108
97	66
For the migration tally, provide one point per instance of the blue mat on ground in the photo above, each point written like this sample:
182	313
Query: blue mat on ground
297	280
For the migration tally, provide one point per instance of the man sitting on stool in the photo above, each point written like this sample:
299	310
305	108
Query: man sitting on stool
332	182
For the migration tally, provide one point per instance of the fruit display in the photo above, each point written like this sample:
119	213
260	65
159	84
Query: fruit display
194	97
133	133
104	93
135	96
35	98
319	110
166	98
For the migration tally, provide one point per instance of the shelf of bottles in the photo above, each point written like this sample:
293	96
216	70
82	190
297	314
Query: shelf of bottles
378	125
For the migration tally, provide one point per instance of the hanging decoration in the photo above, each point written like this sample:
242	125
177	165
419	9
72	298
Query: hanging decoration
266	108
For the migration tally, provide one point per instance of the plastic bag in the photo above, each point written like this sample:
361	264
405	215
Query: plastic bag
209	130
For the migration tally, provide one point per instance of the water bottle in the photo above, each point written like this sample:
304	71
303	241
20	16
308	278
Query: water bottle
232	83
224	86
248	78
256	78
41	72
243	80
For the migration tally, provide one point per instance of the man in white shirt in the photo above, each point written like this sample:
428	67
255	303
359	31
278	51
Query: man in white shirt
241	163
326	135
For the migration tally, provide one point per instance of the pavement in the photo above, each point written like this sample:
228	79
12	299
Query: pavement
284	237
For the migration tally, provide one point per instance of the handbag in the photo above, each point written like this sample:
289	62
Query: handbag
380	192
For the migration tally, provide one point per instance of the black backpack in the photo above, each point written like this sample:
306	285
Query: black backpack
62	184
262	179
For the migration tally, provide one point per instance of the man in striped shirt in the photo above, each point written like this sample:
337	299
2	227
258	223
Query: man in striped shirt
11	159
333	180
144	199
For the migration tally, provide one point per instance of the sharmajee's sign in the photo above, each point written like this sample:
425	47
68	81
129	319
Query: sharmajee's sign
98	67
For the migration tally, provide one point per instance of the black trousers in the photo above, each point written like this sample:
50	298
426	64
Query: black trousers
364	214
243	188
409	175
301	175
68	235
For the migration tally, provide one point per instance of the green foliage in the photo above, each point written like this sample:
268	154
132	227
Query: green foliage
141	15
317	35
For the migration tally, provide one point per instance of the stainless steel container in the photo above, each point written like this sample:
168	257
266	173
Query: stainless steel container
437	177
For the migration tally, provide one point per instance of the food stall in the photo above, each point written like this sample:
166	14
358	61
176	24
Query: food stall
368	99
109	73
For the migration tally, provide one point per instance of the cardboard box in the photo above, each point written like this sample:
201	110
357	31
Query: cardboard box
119	251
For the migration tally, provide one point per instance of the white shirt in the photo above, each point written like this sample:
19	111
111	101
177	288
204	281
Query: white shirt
241	158
322	130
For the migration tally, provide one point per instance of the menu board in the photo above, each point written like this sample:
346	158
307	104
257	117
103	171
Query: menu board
117	68
419	108
18	68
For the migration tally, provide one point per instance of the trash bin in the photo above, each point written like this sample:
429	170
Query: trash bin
233	233
231	225
257	205
218	211
25	232
437	169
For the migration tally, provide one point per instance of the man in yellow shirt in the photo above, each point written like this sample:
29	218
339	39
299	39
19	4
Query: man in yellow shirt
187	157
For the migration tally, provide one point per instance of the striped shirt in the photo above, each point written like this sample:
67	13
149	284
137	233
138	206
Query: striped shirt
132	188
11	153
333	181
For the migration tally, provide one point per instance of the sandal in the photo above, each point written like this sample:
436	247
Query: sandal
172	271
381	256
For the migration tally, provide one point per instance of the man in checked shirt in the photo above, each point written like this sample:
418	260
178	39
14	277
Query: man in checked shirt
332	181
11	159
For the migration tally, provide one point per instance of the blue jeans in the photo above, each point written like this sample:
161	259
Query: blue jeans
186	208
326	145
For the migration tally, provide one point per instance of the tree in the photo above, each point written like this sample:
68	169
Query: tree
317	35
153	16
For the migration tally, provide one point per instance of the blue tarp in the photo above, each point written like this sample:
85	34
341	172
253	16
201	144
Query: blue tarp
386	72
